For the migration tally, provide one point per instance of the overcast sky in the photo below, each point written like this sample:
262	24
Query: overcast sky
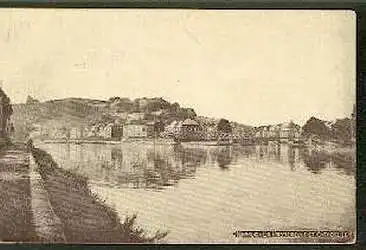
254	67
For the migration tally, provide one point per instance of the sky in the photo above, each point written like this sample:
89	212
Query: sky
250	66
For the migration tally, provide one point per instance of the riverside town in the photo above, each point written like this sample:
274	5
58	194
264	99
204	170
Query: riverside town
121	119
48	148
177	126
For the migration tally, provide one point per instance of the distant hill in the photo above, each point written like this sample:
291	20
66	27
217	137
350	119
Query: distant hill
74	112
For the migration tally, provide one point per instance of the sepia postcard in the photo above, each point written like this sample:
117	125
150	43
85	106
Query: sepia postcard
169	126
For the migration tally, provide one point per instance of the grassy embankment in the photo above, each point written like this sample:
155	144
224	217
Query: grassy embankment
15	197
85	217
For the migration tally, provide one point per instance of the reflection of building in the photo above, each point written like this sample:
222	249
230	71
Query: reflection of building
293	157
284	153
274	150
224	157
279	152
117	156
315	161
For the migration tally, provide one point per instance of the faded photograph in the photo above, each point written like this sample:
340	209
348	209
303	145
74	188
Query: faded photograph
177	126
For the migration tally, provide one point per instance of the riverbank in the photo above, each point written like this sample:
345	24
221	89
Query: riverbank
84	216
62	141
157	141
108	142
16	224
322	147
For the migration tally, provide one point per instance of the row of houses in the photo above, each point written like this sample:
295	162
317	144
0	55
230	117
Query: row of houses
288	130
112	131
184	130
192	130
188	130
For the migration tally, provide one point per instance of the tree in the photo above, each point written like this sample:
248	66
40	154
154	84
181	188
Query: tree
186	113
317	127
343	129
224	126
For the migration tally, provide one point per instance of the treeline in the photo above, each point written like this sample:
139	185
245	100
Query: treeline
340	130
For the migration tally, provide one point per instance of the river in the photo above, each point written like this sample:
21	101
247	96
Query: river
202	194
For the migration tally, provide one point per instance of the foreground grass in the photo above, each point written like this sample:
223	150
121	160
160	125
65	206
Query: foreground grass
15	199
85	217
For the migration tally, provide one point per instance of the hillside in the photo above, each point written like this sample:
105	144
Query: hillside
75	112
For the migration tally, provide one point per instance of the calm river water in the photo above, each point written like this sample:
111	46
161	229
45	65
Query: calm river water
205	193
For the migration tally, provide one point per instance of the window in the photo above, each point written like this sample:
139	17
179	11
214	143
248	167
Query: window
143	129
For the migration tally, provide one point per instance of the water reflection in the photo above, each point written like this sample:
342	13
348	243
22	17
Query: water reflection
145	166
224	157
315	161
344	162
135	167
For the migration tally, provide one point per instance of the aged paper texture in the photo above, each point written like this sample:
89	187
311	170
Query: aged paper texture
177	126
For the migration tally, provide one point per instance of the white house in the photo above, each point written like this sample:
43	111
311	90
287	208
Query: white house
135	131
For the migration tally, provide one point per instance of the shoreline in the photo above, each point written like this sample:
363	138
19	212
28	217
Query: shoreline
106	142
84	215
324	146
